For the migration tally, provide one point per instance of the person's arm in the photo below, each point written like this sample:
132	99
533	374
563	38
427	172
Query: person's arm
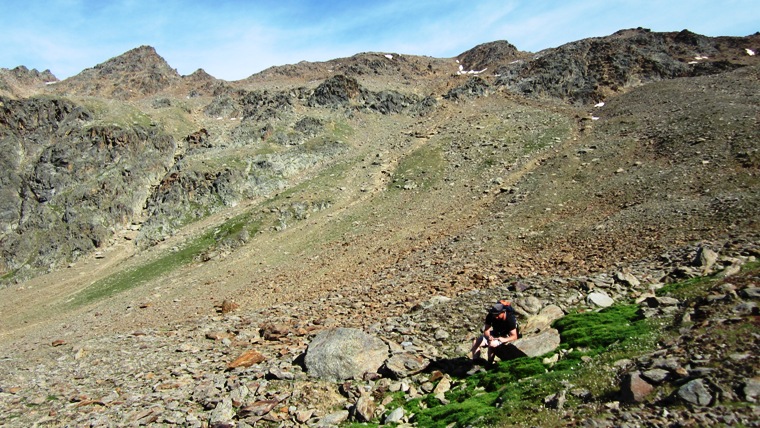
487	332
511	338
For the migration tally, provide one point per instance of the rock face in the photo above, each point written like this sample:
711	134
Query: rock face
590	70
19	82
344	353
69	183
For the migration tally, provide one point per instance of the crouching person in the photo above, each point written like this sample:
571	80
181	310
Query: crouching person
500	328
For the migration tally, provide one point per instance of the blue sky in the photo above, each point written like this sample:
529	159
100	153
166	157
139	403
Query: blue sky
232	39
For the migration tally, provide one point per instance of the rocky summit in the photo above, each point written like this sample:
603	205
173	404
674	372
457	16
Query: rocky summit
317	244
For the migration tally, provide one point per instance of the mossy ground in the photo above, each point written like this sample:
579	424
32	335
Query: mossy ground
511	393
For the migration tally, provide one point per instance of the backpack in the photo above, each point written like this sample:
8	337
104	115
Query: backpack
506	306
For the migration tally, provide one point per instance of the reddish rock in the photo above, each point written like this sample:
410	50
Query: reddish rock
248	359
228	306
634	388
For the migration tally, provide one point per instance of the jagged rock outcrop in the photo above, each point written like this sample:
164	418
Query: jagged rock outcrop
70	184
590	70
20	82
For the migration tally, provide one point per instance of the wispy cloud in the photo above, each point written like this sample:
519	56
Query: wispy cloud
233	39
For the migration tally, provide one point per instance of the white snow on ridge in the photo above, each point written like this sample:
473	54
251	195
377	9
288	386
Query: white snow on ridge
599	104
750	52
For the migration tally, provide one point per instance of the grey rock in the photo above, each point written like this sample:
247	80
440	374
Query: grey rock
543	320
656	376
406	364
696	393
530	346
556	401
530	304
600	299
751	389
223	412
364	409
705	259
750	292
333	419
344	353
627	278
396	416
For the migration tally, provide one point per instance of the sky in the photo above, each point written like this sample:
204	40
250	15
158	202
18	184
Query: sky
233	39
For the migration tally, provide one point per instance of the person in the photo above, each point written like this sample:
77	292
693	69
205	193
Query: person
500	328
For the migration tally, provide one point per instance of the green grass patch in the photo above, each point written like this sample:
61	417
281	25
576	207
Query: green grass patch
232	229
512	392
596	331
420	170
686	289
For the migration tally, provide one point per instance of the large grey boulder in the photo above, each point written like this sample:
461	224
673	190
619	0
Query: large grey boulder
344	353
531	346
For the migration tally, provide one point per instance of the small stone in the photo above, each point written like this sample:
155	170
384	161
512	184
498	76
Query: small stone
634	388
395	416
334	419
600	299
752	389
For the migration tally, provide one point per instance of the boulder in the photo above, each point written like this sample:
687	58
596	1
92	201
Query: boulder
396	416
752	389
543	320
696	393
530	305
344	353
334	419
705	259
627	278
531	346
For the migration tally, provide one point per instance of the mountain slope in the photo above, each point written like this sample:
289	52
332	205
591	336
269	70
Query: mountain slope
348	193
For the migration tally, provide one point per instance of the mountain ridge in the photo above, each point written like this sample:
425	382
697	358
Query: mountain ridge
145	206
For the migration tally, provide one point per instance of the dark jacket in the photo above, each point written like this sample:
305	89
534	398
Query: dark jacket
501	328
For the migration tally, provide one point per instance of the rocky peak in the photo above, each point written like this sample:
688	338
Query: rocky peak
134	74
136	60
489	55
199	75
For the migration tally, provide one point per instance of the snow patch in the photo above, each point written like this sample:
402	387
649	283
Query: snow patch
389	56
599	104
461	71
750	52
